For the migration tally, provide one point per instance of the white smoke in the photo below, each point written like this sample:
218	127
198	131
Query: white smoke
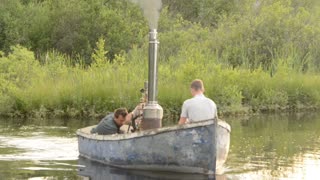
151	10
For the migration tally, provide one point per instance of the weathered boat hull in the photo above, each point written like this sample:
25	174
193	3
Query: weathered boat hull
188	148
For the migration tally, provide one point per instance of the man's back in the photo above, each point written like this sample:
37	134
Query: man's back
199	108
106	126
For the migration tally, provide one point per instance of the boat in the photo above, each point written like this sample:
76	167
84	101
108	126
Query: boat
188	148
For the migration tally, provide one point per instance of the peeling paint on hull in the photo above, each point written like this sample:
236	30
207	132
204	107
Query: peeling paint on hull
187	148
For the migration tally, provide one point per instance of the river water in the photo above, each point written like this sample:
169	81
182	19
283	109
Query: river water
283	146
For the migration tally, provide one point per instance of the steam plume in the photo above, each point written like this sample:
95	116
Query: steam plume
151	10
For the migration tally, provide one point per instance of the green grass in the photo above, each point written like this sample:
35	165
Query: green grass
61	90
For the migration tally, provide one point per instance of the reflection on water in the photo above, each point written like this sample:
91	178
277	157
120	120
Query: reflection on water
275	147
93	170
38	149
262	147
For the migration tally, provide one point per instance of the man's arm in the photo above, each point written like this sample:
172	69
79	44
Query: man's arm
184	114
128	119
215	109
138	110
182	120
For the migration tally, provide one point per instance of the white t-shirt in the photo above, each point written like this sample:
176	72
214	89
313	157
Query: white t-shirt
199	108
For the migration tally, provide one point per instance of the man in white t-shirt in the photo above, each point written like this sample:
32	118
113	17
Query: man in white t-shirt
199	107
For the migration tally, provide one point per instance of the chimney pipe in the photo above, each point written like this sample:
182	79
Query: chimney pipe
153	67
152	112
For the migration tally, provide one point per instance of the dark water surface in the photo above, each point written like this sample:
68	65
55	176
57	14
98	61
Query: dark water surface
262	147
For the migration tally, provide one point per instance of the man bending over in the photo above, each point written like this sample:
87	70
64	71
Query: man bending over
112	122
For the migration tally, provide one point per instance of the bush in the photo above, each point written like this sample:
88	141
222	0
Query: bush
71	27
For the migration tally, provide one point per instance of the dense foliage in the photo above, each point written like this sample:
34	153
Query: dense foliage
71	26
83	58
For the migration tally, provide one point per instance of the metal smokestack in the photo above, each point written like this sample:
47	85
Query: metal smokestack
153	67
153	112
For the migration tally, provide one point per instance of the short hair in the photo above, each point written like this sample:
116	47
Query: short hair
197	85
121	111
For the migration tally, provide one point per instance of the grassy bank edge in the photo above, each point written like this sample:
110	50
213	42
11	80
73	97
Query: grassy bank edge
169	115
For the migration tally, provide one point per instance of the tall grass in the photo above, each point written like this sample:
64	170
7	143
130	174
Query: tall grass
58	89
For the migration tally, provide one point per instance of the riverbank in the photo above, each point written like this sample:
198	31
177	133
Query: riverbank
56	89
255	58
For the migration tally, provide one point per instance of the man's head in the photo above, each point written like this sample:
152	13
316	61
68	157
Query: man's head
197	87
120	116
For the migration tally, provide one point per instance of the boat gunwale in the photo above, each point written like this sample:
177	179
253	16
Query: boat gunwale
151	132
